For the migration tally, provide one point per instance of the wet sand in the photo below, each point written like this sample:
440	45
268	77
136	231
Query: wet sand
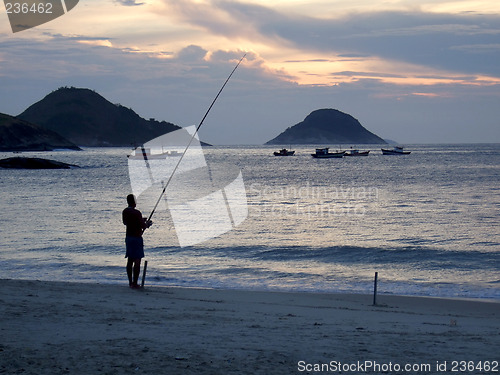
77	328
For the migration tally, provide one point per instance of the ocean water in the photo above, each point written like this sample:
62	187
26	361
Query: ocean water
428	223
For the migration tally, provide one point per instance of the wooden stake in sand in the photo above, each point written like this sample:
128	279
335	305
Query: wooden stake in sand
375	290
144	273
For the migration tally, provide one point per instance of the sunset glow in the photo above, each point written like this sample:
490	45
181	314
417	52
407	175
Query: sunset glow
396	48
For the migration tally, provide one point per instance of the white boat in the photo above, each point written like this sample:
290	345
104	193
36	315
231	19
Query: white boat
142	153
397	150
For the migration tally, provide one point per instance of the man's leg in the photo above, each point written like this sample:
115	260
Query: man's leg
130	263
137	270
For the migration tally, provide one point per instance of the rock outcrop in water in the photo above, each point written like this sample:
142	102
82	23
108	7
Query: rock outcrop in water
87	119
327	126
34	163
19	135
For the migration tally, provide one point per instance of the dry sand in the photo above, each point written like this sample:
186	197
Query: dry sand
69	328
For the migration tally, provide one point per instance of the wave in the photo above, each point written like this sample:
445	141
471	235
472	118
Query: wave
421	257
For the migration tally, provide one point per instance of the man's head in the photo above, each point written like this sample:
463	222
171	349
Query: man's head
131	200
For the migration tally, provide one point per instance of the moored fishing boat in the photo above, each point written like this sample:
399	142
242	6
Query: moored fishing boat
323	153
146	154
354	152
284	152
397	150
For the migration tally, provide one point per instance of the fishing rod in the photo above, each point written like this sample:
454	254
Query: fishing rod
191	140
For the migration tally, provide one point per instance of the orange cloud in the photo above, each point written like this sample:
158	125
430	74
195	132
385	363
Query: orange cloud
97	42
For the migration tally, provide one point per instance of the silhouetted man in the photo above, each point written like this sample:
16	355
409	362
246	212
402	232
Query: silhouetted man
136	224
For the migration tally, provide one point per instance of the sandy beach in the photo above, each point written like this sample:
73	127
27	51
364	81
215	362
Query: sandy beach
74	328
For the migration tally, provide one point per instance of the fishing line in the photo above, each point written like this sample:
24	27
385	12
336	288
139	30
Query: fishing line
191	140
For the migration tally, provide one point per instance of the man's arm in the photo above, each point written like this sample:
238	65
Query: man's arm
145	223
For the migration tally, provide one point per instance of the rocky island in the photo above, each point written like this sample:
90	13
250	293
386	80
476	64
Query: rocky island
327	126
88	119
19	135
34	163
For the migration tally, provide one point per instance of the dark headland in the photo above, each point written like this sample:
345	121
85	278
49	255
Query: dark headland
34	163
327	126
19	135
88	119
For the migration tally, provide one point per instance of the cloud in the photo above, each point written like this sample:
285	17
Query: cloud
97	42
192	53
478	48
388	69
129	2
366	74
427	39
231	20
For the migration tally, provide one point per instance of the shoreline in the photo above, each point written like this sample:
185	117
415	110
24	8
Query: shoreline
53	327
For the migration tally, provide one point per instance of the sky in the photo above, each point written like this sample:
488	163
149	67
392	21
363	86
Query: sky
411	71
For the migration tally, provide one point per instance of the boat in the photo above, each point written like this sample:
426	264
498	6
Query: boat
355	152
284	152
323	153
145	153
397	150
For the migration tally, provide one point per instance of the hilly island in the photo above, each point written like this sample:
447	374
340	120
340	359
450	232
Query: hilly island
20	135
87	119
327	126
